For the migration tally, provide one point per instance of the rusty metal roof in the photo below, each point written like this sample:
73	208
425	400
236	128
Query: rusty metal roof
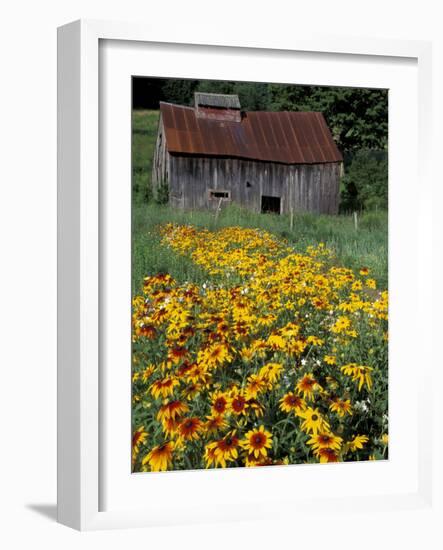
285	137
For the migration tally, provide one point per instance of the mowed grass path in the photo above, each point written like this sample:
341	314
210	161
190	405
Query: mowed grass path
368	246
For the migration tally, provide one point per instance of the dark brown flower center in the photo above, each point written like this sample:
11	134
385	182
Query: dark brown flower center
238	404
258	439
220	405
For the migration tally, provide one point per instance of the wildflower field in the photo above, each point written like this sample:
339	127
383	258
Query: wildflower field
252	347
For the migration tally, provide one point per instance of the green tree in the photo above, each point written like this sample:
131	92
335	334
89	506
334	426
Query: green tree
365	183
179	91
357	117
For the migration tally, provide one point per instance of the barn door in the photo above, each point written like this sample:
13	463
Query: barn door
270	205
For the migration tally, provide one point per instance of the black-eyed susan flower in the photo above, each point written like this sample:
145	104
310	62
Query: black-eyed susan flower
314	340
307	385
257	442
170	426
342	325
198	373
371	283
271	372
325	440
209	454
139	437
214	424
251	461
147	372
183	370
177	354
358	442
341	407
239	403
223	451
276	341
172	409
291	402
290	330
255	407
190	428
247	353
359	373
327	455
191	391
160	457
215	355
148	331
221	403
313	421
164	387
255	385
241	330
357	285
297	346
266	320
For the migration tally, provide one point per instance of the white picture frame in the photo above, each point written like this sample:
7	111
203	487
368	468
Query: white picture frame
82	260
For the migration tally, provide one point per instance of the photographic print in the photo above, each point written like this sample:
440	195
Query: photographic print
259	274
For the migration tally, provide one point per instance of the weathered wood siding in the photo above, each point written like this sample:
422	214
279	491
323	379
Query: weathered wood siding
160	165
308	188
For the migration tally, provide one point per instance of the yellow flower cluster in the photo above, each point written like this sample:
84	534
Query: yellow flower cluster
279	357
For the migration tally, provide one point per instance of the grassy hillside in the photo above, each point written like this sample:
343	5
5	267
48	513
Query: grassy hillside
144	133
368	246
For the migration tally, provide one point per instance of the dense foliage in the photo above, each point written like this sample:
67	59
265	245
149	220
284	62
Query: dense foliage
365	182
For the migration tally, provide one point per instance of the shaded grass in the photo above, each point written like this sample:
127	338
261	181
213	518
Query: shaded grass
367	246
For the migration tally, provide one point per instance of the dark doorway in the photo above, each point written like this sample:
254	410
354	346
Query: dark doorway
270	205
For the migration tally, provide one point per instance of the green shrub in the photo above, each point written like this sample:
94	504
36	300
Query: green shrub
162	194
365	183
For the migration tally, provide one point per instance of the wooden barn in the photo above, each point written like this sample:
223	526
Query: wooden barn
215	153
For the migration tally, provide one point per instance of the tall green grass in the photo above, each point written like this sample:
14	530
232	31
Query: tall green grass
144	134
367	246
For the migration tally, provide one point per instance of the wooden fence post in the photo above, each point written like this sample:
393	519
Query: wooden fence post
355	221
218	209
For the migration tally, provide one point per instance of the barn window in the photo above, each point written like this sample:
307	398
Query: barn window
270	205
226	195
